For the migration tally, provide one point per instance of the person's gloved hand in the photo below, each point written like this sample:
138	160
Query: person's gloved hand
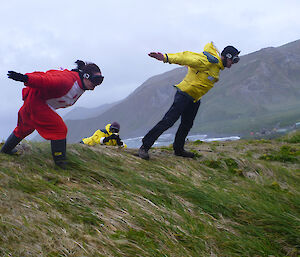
113	136
119	141
17	76
157	55
106	139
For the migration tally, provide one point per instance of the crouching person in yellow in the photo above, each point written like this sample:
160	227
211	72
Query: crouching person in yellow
107	136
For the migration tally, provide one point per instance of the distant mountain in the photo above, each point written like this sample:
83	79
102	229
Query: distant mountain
81	113
262	90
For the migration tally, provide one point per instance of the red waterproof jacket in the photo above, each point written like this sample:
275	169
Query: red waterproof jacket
58	88
44	93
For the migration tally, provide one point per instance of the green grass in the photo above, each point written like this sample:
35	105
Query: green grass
231	200
292	138
285	154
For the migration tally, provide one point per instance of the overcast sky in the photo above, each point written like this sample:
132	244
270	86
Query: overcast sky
117	35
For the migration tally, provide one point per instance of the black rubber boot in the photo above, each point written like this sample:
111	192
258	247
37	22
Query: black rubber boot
10	144
58	148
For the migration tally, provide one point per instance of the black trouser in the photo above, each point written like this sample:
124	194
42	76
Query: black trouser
183	106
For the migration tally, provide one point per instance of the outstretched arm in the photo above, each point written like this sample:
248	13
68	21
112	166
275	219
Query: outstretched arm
39	79
194	60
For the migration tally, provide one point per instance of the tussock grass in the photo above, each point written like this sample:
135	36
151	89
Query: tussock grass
231	200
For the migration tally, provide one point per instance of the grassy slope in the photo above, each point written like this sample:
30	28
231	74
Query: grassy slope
237	198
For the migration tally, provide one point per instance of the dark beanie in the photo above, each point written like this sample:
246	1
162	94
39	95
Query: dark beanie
115	125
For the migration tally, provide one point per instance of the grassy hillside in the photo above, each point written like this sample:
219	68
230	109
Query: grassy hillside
238	198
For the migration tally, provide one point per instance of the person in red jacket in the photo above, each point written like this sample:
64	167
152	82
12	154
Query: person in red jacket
44	93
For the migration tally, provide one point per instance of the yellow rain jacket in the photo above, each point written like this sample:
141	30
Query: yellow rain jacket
99	135
203	70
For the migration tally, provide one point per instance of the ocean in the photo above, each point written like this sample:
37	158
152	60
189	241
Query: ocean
167	139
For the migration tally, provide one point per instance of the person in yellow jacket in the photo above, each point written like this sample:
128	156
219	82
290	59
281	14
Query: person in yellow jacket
203	72
107	136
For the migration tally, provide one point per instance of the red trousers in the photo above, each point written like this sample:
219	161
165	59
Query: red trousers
37	115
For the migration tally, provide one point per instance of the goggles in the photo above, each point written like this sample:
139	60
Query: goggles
114	130
96	79
235	59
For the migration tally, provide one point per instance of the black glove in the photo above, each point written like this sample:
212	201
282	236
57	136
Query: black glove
17	76
119	142
113	136
105	140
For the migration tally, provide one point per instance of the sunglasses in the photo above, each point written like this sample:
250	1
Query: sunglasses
96	79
